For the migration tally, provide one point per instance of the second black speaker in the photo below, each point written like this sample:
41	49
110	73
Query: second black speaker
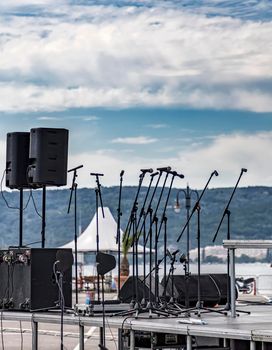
48	157
17	160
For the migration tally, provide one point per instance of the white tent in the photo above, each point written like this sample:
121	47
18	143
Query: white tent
107	230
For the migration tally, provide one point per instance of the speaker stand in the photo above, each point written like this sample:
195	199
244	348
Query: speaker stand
21	217
43	214
227	213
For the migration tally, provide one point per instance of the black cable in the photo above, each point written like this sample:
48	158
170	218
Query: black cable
111	332
123	323
62	300
4	198
34	204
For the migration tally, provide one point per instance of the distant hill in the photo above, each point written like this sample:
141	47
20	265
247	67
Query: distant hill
251	214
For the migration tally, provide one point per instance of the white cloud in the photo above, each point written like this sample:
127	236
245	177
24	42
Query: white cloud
90	118
138	140
227	154
84	56
157	126
48	118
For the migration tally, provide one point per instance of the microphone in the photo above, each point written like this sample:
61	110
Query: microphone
183	258
168	254
215	173
244	170
166	168
181	176
122	173
174	173
155	174
96	174
77	167
175	252
147	170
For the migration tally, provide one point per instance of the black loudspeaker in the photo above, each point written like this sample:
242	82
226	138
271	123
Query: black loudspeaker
17	152
221	280
127	293
28	281
48	157
105	263
213	289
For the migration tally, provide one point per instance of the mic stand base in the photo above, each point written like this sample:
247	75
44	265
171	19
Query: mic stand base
200	309
173	305
227	308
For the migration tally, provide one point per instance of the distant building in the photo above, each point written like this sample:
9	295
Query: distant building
221	253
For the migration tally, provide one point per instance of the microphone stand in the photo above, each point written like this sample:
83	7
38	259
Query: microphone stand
73	189
172	305
135	306
133	220
98	197
143	214
152	197
152	307
196	208
227	213
164	221
159	200
142	211
118	234
155	220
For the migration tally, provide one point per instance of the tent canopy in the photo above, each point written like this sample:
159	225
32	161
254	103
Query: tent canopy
107	231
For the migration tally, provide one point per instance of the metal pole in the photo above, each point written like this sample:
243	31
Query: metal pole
189	342
81	337
75	227
43	214
120	340
132	340
34	335
252	345
232	282
21	218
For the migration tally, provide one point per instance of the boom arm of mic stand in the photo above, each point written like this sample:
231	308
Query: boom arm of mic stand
154	268
99	191
129	224
165	205
72	191
151	200
142	209
196	206
119	213
157	207
227	206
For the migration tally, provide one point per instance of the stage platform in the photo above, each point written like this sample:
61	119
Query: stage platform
254	329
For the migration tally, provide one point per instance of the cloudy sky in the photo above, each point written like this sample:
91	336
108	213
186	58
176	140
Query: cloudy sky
143	83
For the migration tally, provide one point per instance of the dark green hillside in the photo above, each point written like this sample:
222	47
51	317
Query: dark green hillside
251	214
